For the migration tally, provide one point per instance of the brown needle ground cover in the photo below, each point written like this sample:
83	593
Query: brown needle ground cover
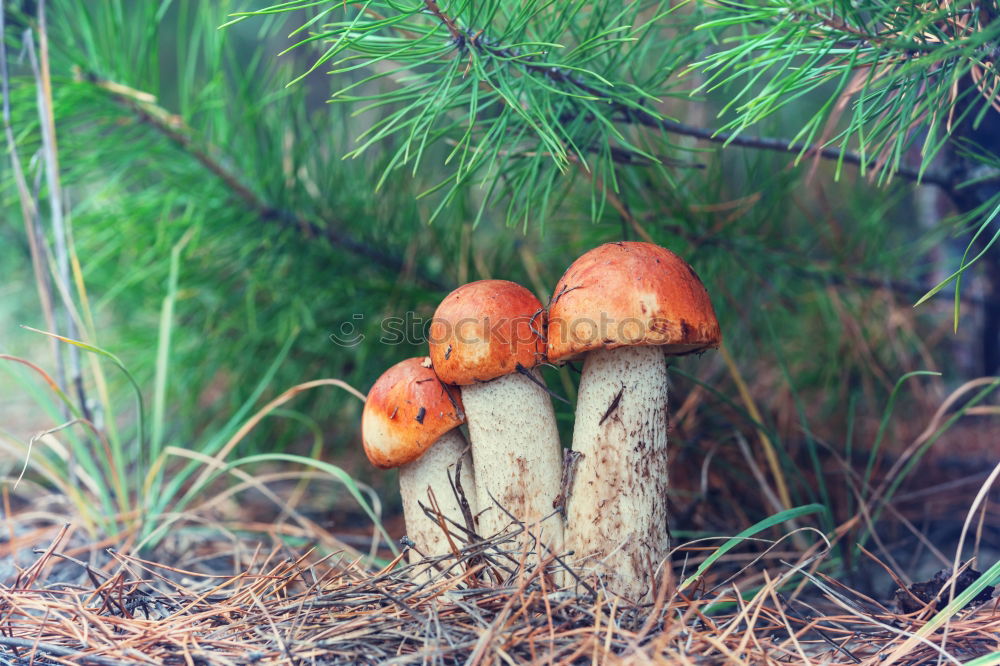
486	604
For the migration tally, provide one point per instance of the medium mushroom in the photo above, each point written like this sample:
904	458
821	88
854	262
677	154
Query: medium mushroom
486	337
410	421
624	307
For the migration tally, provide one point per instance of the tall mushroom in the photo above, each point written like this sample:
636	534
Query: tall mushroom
624	306
486	337
410	421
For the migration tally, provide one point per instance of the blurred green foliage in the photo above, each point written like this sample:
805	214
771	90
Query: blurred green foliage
170	127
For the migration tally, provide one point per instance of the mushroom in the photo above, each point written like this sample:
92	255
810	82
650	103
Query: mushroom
410	421
486	337
624	306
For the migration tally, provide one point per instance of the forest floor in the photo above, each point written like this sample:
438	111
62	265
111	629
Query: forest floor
227	599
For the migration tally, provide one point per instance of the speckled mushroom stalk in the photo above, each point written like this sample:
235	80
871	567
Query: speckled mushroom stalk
486	337
410	421
624	307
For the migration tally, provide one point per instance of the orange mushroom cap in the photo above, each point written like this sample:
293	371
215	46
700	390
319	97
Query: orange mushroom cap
630	293
407	410
484	329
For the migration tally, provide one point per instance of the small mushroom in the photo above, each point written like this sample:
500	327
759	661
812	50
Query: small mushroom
486	337
624	306
410	421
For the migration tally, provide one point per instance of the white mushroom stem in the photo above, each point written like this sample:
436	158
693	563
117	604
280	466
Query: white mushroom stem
430	472
515	445
616	513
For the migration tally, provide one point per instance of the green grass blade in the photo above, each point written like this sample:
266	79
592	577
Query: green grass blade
732	542
216	442
884	424
946	613
336	472
116	449
163	349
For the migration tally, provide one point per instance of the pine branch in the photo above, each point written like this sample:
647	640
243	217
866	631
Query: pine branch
169	126
944	181
899	73
500	93
641	116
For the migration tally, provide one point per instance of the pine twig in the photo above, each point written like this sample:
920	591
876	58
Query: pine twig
943	181
34	647
433	8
